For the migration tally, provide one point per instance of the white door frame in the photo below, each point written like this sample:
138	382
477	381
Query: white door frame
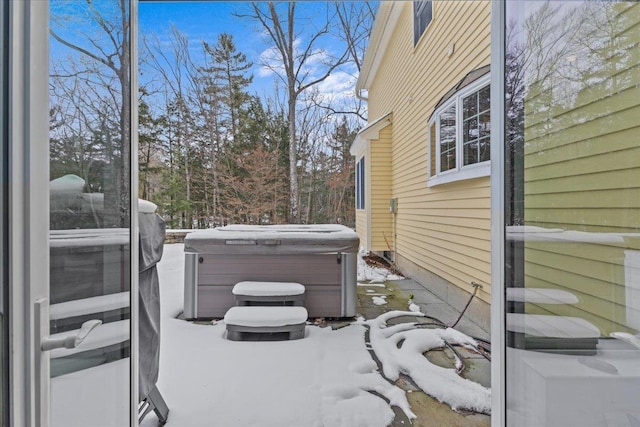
29	211
28	201
498	349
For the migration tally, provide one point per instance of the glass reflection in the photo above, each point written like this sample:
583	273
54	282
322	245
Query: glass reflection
4	209
448	139
572	150
90	209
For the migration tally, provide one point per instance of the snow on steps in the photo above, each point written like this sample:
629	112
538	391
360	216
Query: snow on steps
81	307
240	320
286	293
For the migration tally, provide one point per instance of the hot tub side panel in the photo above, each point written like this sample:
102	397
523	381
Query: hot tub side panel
321	274
349	284
190	286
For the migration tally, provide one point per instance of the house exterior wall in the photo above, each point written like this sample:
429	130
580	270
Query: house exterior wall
362	215
444	229
581	163
381	232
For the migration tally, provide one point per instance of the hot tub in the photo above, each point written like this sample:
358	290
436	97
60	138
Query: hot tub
321	257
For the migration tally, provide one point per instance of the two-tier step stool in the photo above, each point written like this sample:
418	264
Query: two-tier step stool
267	308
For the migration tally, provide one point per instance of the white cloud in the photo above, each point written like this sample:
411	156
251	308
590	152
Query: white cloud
338	87
270	61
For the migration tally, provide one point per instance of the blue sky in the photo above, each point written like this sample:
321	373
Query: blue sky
205	20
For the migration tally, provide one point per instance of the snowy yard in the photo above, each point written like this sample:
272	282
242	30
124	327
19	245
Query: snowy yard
325	379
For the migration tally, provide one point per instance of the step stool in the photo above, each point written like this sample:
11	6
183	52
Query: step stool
269	293
241	320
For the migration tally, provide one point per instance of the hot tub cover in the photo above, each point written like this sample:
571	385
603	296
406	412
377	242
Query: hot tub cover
273	239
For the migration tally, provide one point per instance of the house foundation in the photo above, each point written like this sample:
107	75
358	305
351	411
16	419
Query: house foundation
478	311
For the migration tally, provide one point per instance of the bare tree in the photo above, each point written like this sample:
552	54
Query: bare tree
105	42
294	55
354	23
182	88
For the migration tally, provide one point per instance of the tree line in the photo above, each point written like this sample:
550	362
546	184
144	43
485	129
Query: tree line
210	151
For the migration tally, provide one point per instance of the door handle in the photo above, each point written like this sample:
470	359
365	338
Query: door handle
71	341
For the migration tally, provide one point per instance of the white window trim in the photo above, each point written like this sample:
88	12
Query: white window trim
417	42
360	184
460	172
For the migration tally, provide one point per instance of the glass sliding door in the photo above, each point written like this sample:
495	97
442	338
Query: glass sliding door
572	213
90	210
4	209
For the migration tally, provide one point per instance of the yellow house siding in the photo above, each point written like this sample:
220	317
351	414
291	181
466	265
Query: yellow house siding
582	172
444	229
361	227
380	192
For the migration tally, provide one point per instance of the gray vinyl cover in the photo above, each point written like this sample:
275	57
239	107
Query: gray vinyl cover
152	234
273	239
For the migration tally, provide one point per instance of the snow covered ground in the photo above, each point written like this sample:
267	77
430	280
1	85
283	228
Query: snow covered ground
324	379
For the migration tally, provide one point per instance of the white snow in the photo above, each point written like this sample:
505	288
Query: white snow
541	296
325	379
95	237
265	316
380	300
80	307
102	336
321	380
413	307
372	285
66	184
400	348
543	325
256	289
530	233
95	397
373	275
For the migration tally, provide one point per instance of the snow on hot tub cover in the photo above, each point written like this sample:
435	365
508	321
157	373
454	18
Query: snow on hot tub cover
273	239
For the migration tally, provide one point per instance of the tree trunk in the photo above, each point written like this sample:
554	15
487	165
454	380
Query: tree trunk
294	214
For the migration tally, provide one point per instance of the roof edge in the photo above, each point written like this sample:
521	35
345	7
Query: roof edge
385	22
369	132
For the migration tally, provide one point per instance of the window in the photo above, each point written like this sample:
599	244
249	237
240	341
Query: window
476	122
422	15
459	133
360	184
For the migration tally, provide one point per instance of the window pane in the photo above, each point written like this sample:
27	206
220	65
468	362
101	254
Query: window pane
470	129
360	183
470	106
448	139
484	126
485	98
422	14
90	198
485	150
572	255
470	153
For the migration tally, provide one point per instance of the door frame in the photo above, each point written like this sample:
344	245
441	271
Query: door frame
28	202
28	216
498	373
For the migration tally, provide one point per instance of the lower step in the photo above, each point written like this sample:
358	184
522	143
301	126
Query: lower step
244	323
